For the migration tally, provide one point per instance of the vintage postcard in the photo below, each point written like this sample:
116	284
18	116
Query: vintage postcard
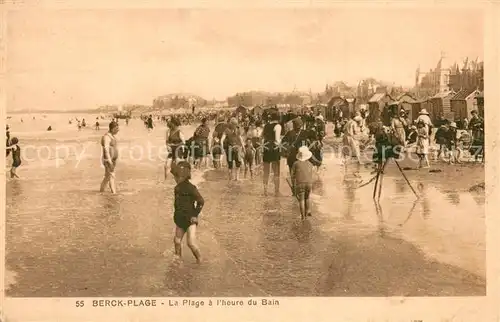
295	161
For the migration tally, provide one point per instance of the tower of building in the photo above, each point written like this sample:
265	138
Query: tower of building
443	74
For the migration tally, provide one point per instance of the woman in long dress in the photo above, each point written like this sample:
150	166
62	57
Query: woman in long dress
350	141
398	125
422	144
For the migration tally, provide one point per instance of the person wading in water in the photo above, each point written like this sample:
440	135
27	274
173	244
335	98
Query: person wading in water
294	139
187	207
175	144
232	142
271	156
109	157
201	142
7	143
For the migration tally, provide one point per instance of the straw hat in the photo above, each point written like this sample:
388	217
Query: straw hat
423	112
304	154
453	124
320	117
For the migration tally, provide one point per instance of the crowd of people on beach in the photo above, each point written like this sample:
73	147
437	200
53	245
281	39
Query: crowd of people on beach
259	142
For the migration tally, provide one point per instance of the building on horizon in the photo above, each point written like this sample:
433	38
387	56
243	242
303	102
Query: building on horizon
442	79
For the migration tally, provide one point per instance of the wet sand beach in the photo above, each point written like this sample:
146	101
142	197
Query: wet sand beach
64	238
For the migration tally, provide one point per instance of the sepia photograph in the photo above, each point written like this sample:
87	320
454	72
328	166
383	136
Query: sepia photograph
225	153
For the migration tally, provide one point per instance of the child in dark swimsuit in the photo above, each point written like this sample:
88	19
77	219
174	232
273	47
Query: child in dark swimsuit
249	157
16	156
188	204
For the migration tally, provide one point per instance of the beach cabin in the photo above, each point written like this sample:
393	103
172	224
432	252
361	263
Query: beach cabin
417	106
405	101
463	103
480	103
441	103
334	105
352	105
378	108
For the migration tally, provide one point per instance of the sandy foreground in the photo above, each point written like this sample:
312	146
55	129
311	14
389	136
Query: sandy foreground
252	245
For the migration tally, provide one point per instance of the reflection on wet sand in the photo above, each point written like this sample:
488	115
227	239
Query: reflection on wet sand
350	187
253	245
424	197
453	197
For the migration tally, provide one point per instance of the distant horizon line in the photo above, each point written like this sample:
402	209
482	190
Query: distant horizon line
190	93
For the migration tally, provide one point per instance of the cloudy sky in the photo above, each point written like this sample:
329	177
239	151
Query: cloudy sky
81	59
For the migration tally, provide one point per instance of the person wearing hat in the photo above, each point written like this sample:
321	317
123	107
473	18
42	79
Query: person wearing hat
271	154
233	145
424	117
476	123
398	126
175	144
350	140
476	127
302	180
452	144
320	127
188	204
422	144
109	156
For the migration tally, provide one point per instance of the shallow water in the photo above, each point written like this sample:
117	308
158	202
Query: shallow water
66	239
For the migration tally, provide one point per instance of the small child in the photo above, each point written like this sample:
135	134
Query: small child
16	156
302	180
249	157
453	144
412	135
188	204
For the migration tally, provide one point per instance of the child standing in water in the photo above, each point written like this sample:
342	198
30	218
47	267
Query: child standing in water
16	156
302	180
187	207
249	157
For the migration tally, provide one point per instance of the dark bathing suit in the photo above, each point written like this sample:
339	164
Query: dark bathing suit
7	143
271	151
201	141
186	195
295	140
16	157
174	142
232	146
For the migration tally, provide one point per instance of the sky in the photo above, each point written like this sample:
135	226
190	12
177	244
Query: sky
78	59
